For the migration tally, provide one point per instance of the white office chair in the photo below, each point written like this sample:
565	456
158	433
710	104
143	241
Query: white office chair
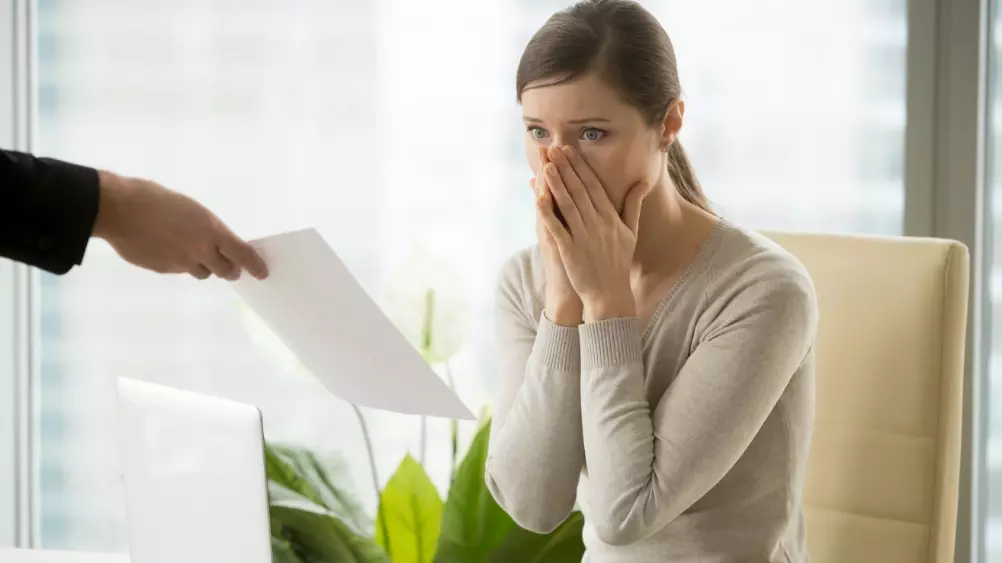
883	477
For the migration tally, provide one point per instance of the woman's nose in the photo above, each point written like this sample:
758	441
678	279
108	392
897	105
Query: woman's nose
561	141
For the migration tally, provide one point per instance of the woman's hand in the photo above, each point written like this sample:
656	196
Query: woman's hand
562	304
596	248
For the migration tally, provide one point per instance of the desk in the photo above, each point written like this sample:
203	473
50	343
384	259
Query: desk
46	556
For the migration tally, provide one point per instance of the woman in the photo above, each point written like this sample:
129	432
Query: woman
657	361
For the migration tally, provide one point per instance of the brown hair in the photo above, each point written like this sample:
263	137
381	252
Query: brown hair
630	51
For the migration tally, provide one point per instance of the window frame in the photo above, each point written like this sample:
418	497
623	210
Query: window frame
946	196
17	324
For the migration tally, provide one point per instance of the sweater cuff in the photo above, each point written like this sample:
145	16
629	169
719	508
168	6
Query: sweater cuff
610	343
557	347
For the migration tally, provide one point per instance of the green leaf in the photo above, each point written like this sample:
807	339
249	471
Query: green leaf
281	470
412	511
322	538
282	552
297	476
563	545
282	495
473	525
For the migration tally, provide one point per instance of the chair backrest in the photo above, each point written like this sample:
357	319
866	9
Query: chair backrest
883	476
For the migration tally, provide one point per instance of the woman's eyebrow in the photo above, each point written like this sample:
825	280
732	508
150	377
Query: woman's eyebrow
572	122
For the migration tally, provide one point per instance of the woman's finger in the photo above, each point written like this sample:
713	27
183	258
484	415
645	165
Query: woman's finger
541	186
544	159
573	183
631	207
538	182
565	203
553	225
599	197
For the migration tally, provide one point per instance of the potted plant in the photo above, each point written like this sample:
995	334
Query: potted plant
313	520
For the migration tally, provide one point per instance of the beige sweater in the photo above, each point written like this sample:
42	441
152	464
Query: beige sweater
686	442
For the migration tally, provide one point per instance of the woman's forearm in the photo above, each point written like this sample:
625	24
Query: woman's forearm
536	452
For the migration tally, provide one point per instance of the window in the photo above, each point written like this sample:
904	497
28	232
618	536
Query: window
993	299
391	126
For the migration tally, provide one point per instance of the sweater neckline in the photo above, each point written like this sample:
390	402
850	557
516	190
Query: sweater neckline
697	264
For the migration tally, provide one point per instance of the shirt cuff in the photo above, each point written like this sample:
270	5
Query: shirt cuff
610	343
557	347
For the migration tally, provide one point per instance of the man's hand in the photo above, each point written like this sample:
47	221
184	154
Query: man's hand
167	232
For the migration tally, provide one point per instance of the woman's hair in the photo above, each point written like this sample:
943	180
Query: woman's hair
629	50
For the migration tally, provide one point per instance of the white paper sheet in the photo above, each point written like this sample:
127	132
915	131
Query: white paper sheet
317	308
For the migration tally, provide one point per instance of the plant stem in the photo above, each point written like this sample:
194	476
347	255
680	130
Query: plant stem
424	439
427	339
429	320
454	427
375	478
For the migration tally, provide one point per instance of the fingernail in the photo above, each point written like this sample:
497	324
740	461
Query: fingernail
556	153
568	150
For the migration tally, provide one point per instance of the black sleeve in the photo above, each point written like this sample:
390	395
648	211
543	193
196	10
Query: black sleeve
47	210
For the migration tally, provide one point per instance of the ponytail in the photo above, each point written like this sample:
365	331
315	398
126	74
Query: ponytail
682	175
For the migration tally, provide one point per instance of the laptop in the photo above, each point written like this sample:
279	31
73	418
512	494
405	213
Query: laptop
195	484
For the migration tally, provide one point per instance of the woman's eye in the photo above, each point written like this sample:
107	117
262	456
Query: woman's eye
592	134
537	133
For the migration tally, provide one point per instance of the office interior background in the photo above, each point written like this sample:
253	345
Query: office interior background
392	127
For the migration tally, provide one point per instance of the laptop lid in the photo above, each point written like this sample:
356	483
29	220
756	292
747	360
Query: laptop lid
195	483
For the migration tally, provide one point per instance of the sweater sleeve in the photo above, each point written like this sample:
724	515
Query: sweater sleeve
536	453
646	468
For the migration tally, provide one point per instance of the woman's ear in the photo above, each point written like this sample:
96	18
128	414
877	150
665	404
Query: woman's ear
673	122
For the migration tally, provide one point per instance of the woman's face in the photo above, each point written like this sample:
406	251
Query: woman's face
610	134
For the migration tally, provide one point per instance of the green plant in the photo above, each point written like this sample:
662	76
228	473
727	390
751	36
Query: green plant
313	520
